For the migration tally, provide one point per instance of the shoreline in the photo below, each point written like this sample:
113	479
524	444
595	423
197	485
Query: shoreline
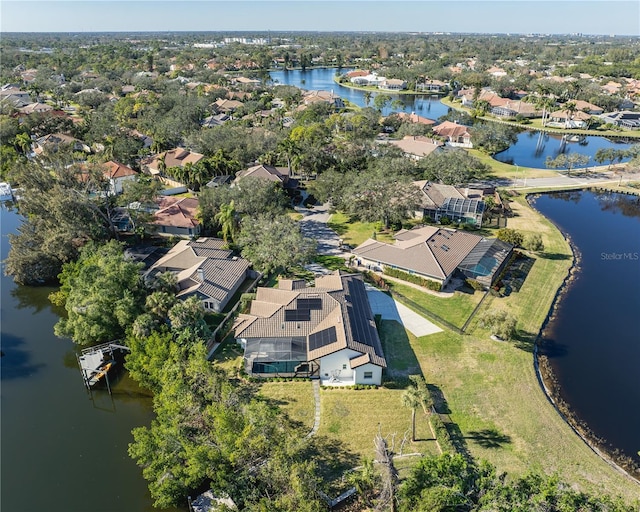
546	377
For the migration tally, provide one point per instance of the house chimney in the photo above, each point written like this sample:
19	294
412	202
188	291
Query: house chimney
466	192
201	274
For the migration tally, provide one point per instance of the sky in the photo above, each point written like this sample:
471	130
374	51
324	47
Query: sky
606	17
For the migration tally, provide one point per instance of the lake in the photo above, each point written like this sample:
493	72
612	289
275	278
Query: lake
593	341
62	448
530	150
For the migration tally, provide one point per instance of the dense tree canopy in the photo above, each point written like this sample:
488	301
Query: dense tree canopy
452	167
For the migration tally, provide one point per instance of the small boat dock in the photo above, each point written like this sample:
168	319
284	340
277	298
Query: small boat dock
95	362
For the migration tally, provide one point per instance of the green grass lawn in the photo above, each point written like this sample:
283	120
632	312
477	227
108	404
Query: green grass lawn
355	417
455	309
295	398
354	233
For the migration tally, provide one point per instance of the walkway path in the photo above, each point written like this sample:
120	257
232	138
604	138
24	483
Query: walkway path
316	397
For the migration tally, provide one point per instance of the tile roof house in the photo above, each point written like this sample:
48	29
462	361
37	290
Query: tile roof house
117	174
53	141
310	97
415	118
206	269
563	119
417	146
35	108
177	216
326	331
624	119
177	157
456	203
268	172
437	254
457	135
393	84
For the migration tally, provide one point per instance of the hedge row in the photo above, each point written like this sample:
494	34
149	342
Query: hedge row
442	434
412	278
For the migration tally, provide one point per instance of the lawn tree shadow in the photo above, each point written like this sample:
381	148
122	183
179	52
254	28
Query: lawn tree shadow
554	256
439	401
524	340
333	458
489	438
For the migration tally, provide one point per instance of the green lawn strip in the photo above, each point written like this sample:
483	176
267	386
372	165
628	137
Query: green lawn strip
400	357
294	397
355	417
455	309
332	262
503	170
494	398
354	233
228	355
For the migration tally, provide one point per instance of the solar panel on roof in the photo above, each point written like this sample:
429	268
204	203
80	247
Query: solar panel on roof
322	338
310	303
297	315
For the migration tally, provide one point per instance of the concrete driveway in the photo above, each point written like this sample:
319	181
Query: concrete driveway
385	306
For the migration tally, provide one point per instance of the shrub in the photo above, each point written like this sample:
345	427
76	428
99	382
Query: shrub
412	278
533	242
511	236
474	284
442	434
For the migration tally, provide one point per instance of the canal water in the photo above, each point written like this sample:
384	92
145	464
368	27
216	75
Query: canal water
594	338
530	150
60	449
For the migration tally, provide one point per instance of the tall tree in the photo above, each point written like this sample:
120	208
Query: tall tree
274	244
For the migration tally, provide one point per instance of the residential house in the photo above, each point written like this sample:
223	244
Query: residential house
12	95
219	181
326	331
205	268
457	204
178	157
587	107
438	254
53	141
393	84
432	86
310	97
35	108
415	118
623	119
496	72
117	174
457	135
241	80
513	108
368	79
417	146
213	121
225	106
564	119
177	216
279	175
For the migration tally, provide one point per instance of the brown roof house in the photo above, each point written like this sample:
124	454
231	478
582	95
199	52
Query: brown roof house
326	331
206	269
417	146
438	254
178	157
117	174
458	204
177	216
267	172
457	135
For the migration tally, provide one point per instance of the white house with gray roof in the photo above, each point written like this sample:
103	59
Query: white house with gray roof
206	269
327	331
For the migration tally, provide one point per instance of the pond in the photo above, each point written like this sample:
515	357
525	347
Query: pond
530	150
62	448
533	148
593	341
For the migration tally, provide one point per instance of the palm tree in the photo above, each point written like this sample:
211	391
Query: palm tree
228	220
570	108
415	396
367	98
23	141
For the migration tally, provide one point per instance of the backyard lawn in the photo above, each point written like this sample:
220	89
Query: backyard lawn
354	233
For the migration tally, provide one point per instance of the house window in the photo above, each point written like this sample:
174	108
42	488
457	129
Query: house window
344	366
368	375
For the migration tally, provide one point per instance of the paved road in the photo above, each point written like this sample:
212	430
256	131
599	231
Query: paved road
314	225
